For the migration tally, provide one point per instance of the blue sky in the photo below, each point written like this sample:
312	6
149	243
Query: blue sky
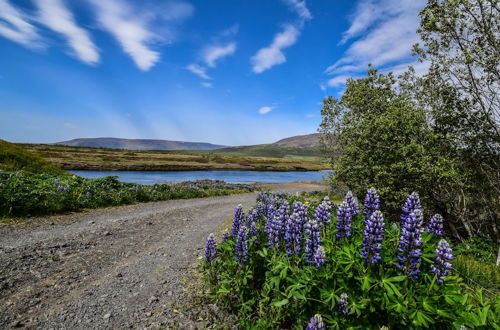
227	72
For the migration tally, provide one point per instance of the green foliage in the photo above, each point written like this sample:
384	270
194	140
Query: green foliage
16	158
39	194
274	290
383	141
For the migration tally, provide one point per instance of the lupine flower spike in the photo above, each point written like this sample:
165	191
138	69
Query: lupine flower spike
441	265
241	249
352	202
371	202
319	257
225	235
313	239
435	225
294	228
412	203
238	220
316	323
373	235
275	228
323	212
409	245
343	303
344	219
210	248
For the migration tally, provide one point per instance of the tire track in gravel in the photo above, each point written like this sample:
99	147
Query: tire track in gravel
108	268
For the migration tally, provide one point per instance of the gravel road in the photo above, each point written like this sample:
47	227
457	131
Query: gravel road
116	268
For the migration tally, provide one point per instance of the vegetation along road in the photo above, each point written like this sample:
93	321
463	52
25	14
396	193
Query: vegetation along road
109	268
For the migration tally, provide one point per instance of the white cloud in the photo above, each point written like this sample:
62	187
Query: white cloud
272	55
207	84
132	33
213	53
265	110
198	70
383	36
15	25
300	8
58	18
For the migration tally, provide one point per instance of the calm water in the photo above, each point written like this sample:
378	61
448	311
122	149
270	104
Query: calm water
147	177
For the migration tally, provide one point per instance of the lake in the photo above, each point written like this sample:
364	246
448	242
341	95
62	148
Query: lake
152	177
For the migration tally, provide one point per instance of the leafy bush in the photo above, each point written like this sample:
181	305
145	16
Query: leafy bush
289	263
39	194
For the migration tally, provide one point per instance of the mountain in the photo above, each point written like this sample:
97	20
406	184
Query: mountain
301	141
139	144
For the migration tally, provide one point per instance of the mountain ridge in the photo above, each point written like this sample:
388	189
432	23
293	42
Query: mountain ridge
298	141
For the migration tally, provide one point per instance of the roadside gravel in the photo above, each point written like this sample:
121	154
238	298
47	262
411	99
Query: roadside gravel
122	267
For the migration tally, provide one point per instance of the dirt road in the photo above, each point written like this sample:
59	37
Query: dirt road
112	268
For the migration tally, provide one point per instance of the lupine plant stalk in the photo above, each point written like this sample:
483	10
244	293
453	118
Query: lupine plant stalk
371	202
372	240
441	266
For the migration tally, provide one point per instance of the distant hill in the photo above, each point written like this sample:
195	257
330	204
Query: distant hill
139	144
301	141
303	147
15	158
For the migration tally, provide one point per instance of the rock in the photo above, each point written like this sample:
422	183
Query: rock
106	233
153	299
91	222
106	316
148	314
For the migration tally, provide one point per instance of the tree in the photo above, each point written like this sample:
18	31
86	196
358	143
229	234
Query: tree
383	140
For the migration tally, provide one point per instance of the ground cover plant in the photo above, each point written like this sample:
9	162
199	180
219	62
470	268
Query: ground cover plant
25	194
294	263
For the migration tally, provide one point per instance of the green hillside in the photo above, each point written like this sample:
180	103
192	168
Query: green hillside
270	150
16	158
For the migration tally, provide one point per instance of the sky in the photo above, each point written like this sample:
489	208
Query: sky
221	71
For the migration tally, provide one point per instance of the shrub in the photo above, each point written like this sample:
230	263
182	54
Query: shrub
292	260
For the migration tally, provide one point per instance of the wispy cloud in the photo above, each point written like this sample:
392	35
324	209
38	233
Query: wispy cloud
213	53
15	25
133	33
300	8
58	18
199	71
207	84
388	31
222	45
265	110
272	55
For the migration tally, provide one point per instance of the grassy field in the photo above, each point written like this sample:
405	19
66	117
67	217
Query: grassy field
245	158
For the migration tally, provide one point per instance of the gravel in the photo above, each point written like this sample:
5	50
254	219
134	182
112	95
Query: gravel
121	267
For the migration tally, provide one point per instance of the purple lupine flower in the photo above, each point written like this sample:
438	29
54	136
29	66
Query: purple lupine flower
294	228
343	303
241	248
435	225
441	266
411	204
409	245
210	248
373	235
252	218
238	220
260	209
225	235
313	239
316	323
319	257
344	219
352	202
371	202
275	227
323	212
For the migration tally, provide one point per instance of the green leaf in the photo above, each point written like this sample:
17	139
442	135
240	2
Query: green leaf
279	303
